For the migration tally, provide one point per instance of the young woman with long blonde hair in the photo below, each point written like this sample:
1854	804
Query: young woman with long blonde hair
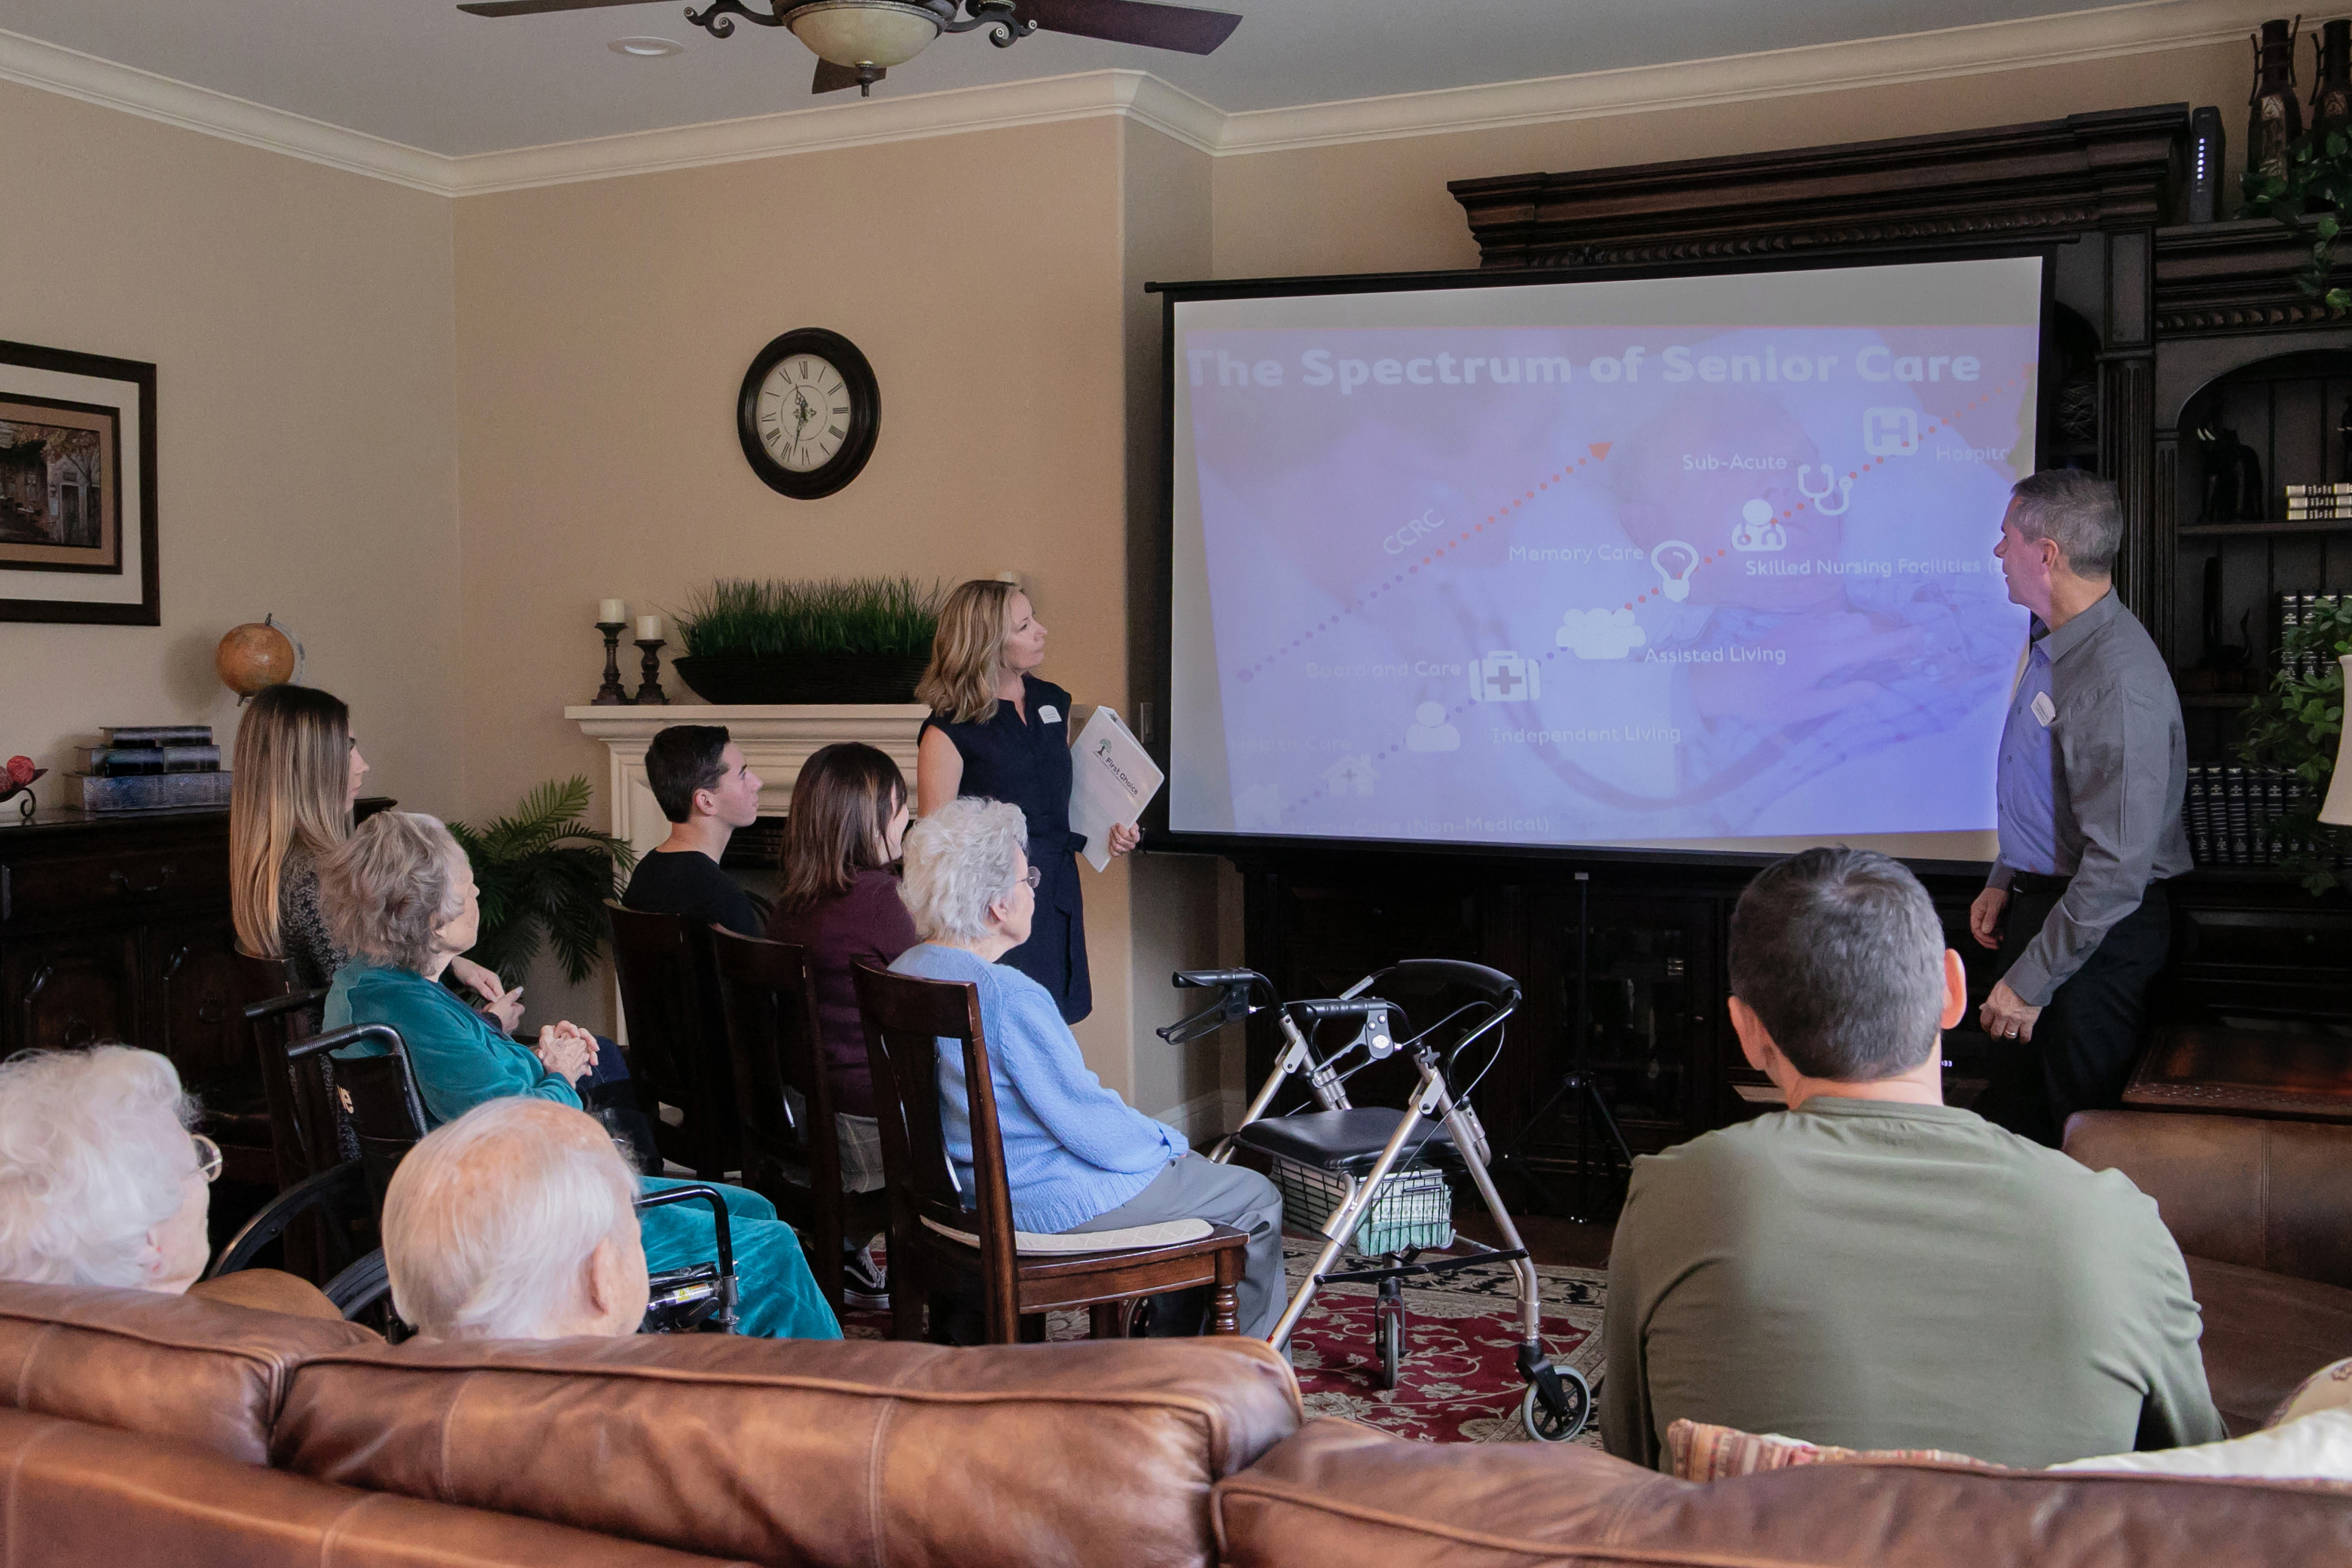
998	732
297	771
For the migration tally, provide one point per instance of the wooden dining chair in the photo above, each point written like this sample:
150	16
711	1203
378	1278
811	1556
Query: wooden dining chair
678	1048
936	1239
769	1003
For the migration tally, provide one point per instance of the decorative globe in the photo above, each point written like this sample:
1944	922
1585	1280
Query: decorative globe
254	656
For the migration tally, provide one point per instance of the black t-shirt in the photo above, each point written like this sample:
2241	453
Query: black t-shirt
689	882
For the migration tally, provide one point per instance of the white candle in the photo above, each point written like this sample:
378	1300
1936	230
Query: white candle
611	613
649	629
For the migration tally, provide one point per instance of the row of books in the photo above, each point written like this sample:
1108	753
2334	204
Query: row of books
2301	609
2230	812
147	766
2318	502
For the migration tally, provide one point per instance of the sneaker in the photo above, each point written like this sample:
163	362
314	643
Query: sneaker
862	1284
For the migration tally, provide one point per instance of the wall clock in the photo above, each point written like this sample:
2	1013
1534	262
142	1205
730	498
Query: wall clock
808	413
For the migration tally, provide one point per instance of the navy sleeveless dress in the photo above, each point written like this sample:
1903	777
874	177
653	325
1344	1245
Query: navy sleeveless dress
1025	760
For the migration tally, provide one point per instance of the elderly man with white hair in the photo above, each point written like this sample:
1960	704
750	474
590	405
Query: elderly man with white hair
517	1221
1078	1157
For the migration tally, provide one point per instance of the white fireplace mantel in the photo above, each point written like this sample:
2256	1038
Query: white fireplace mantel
774	739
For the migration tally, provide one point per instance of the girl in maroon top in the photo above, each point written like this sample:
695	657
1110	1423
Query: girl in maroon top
840	902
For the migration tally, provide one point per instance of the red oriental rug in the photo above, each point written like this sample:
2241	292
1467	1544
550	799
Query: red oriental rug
1461	1376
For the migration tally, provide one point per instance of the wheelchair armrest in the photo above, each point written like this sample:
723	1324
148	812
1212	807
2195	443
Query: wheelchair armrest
726	1314
346	1183
293	1001
349	1035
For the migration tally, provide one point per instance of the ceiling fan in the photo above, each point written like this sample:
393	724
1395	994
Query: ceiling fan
857	41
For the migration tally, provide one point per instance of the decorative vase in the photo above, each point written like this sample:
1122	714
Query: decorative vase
802	678
2274	120
2331	88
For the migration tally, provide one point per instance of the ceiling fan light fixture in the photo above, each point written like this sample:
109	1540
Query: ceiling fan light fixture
852	32
646	49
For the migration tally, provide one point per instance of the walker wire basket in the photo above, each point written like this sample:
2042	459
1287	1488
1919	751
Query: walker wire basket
1413	1208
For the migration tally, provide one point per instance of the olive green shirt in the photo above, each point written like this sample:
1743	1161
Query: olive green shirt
1876	1275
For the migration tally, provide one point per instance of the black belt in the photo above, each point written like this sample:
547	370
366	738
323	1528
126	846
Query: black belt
2035	882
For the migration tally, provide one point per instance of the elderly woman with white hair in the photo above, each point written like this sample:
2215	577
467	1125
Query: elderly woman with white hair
101	1182
400	897
517	1221
1078	1157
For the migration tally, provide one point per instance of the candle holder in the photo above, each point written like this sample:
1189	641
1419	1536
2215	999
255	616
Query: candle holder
651	694
611	694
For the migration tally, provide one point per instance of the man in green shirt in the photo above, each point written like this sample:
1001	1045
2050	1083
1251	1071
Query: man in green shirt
1872	1267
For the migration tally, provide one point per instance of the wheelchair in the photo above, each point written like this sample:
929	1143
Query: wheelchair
378	1099
1373	1181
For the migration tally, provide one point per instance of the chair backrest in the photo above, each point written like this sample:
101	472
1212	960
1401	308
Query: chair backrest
677	1052
907	1021
303	1119
379	1097
770	1006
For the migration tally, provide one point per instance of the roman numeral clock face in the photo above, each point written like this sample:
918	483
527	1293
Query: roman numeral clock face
808	413
803	413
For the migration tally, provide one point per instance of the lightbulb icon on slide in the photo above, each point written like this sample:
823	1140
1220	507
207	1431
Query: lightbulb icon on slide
1676	561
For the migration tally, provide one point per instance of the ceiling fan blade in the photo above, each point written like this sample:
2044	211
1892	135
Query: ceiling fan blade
1185	28
831	78
538	7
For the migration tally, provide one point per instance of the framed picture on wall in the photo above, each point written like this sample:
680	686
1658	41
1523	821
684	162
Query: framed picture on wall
77	487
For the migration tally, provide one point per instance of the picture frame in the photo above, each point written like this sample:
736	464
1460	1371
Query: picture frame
77	488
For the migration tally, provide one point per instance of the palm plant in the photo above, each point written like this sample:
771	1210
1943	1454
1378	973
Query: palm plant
544	875
2297	725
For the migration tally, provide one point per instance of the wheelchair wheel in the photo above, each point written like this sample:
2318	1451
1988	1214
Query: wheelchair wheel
1546	1424
1388	1329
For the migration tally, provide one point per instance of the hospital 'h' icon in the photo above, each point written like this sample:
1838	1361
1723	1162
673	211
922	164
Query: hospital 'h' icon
1890	432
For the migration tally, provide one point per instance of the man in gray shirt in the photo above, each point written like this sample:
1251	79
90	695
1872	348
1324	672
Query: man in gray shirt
1872	1267
2093	762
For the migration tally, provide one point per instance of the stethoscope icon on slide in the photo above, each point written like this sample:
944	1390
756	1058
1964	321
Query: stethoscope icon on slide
1842	489
1758	532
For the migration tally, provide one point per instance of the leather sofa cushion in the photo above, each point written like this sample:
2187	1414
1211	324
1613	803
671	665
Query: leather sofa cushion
1343	1496
2237	1189
71	1493
2264	1333
853	1452
173	1366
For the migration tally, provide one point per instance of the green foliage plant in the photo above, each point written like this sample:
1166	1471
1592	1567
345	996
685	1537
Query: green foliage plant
2318	174
543	875
736	617
2295	725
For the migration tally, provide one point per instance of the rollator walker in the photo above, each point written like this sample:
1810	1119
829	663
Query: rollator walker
1372	1179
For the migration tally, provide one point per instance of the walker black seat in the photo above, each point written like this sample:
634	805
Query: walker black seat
1346	1140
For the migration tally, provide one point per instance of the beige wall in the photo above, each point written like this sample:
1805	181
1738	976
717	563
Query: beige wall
603	329
1381	206
300	321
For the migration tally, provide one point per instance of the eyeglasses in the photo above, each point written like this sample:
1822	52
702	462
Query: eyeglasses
1035	876
208	1157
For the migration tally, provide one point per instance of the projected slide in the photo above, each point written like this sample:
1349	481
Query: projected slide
1684	562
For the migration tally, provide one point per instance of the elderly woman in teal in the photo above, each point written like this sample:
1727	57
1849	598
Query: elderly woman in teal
400	898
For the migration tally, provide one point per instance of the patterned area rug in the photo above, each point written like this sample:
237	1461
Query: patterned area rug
1461	1377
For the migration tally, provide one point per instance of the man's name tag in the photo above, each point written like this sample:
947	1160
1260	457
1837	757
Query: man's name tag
2043	709
1048	714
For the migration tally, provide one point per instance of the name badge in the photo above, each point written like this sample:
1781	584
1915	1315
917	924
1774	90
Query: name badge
1048	714
2043	709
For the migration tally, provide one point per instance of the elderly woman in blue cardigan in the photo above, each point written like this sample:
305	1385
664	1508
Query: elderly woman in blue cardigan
401	899
1076	1156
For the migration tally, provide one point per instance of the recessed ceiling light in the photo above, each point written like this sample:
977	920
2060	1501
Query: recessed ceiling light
645	49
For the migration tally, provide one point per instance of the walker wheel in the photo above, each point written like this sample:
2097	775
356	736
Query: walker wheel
1546	1424
1388	1329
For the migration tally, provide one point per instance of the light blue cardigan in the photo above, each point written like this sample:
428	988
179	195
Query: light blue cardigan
1072	1148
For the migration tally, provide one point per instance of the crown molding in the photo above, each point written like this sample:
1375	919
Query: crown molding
2147	26
30	62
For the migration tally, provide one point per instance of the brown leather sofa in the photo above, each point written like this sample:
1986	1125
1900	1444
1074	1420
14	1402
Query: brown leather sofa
138	1431
2262	1211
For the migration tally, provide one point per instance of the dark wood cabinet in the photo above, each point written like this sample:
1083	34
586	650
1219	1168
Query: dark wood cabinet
117	927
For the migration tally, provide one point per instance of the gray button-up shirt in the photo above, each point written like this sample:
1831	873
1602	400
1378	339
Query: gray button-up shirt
2122	767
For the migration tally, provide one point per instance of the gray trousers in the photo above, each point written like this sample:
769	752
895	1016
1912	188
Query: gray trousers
1195	1188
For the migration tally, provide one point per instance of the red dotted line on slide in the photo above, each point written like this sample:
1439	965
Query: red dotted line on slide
1599	449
